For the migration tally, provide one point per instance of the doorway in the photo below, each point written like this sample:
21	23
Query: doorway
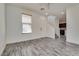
62	32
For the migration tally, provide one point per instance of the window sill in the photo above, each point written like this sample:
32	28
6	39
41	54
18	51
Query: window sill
26	33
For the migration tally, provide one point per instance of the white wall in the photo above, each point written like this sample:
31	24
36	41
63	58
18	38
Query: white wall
57	29
14	25
53	26
50	31
2	27
73	25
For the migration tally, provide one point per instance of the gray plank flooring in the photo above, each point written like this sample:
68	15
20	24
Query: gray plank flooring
42	47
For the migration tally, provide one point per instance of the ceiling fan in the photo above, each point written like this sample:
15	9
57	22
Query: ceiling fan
45	8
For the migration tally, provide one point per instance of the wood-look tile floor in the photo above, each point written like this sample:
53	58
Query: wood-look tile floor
42	47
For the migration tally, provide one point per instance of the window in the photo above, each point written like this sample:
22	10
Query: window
26	23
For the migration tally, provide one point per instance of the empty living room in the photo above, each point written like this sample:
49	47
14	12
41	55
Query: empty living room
39	29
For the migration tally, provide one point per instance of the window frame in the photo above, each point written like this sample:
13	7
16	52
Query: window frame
26	23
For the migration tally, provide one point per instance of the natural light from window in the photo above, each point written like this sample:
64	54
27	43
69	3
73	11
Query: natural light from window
26	23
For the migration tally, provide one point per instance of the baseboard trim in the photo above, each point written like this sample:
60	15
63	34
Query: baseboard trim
2	50
72	43
27	40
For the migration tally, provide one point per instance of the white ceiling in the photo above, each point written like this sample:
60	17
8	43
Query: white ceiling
56	9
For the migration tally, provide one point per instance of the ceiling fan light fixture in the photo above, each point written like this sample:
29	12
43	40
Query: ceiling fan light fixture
46	13
62	13
42	9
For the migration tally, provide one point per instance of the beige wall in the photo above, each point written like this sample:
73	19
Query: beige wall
50	30
2	27
57	29
14	25
73	25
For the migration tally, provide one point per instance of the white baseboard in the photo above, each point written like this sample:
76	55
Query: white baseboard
2	49
20	40
77	43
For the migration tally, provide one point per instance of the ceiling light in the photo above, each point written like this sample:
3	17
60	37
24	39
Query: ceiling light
45	8
46	13
42	9
62	13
